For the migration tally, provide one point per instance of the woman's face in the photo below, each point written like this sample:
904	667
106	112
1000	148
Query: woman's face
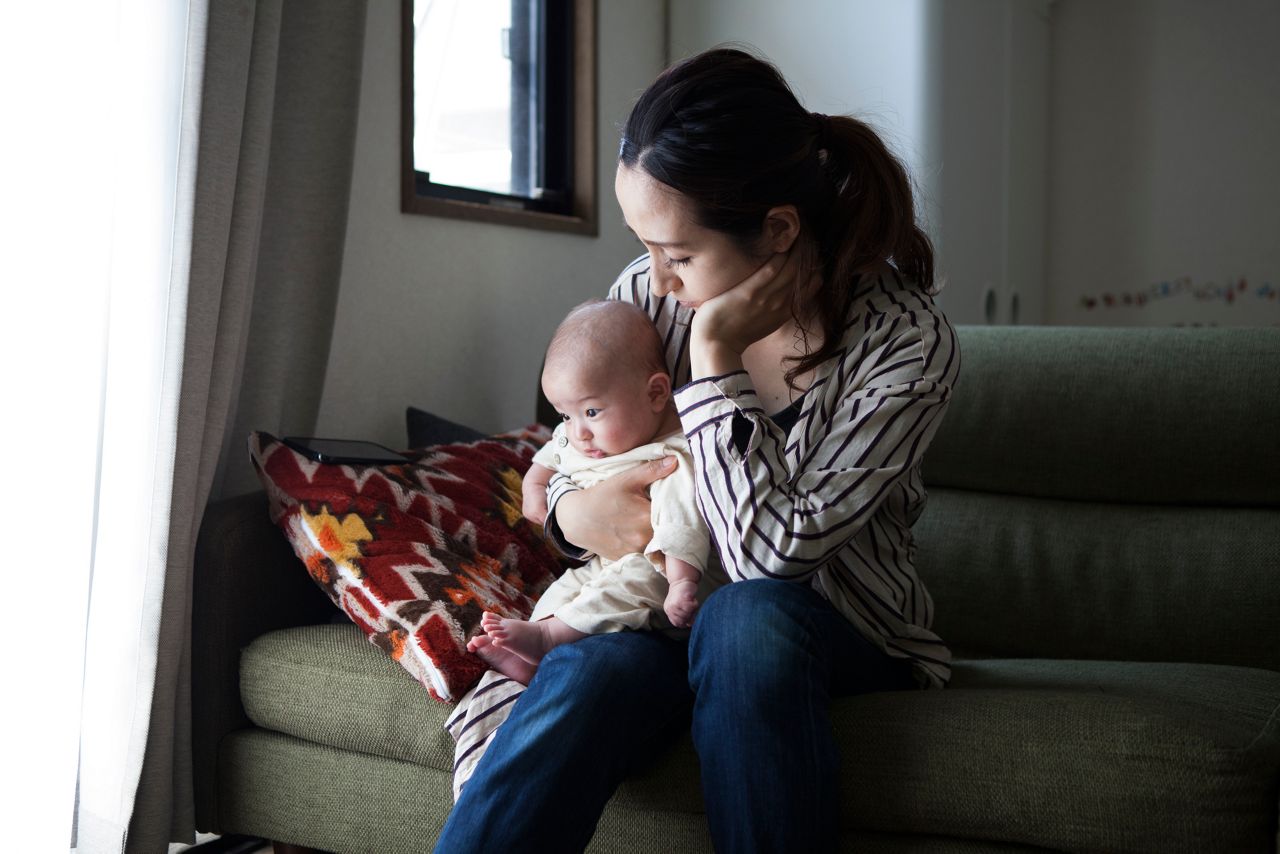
689	262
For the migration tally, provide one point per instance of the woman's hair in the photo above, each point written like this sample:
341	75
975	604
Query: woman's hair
724	129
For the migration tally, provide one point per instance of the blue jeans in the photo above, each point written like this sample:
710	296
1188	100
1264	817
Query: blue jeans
764	659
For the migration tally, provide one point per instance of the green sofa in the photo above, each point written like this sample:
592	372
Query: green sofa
1102	542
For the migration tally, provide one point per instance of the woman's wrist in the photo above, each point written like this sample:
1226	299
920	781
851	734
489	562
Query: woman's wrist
709	358
567	502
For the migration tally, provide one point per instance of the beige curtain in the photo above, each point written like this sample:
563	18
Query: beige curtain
277	103
306	66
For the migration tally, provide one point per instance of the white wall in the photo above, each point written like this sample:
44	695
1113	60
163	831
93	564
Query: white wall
988	71
1164	175
956	88
1067	151
840	56
453	316
1160	122
857	57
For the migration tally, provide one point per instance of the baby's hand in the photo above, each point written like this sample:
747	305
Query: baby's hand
533	493
682	603
534	505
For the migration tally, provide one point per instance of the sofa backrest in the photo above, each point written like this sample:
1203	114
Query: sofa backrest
1108	493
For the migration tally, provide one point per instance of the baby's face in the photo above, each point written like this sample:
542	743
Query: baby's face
606	411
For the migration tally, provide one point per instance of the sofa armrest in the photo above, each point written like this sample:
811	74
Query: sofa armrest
247	582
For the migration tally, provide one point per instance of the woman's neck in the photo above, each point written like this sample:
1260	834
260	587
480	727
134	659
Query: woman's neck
767	362
788	341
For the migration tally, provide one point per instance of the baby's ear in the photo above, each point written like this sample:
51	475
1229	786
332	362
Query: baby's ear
659	390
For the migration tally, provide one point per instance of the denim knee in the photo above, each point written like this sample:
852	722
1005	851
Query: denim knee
597	668
755	628
767	602
614	670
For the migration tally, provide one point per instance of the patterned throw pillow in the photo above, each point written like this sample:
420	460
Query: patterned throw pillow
415	553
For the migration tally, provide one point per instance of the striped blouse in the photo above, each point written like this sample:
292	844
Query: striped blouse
831	502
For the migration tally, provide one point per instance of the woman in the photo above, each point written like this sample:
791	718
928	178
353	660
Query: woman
791	284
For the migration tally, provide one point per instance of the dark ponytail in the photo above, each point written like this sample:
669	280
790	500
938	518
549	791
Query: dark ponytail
874	195
725	130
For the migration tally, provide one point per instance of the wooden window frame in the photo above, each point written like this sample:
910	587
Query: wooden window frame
583	216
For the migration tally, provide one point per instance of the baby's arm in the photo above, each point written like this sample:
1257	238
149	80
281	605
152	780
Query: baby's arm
682	591
533	489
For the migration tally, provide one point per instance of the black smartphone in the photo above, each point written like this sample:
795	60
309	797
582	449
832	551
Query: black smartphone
349	451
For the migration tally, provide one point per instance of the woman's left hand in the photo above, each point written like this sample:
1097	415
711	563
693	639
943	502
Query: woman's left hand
750	310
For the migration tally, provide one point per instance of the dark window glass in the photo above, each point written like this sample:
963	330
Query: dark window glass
499	110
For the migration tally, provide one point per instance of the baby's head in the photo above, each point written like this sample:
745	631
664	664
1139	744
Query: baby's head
606	376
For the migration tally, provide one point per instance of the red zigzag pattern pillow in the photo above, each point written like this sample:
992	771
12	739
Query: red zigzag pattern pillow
414	553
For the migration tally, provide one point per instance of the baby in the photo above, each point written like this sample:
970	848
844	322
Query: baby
605	374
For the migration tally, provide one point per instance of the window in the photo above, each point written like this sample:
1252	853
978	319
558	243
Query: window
498	111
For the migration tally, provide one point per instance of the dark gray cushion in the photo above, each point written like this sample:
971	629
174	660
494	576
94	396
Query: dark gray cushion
1064	754
1176	416
425	429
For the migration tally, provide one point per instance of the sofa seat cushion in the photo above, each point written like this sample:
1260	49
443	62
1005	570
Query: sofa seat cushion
1073	755
1079	755
327	684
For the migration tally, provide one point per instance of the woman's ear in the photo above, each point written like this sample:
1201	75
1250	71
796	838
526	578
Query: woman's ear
659	390
781	228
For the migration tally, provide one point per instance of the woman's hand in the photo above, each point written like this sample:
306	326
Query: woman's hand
613	518
750	310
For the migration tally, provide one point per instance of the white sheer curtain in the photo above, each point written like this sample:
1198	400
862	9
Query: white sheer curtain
98	167
154	135
128	283
53	290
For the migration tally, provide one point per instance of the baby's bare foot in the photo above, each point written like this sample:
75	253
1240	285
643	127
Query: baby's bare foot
507	663
527	640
